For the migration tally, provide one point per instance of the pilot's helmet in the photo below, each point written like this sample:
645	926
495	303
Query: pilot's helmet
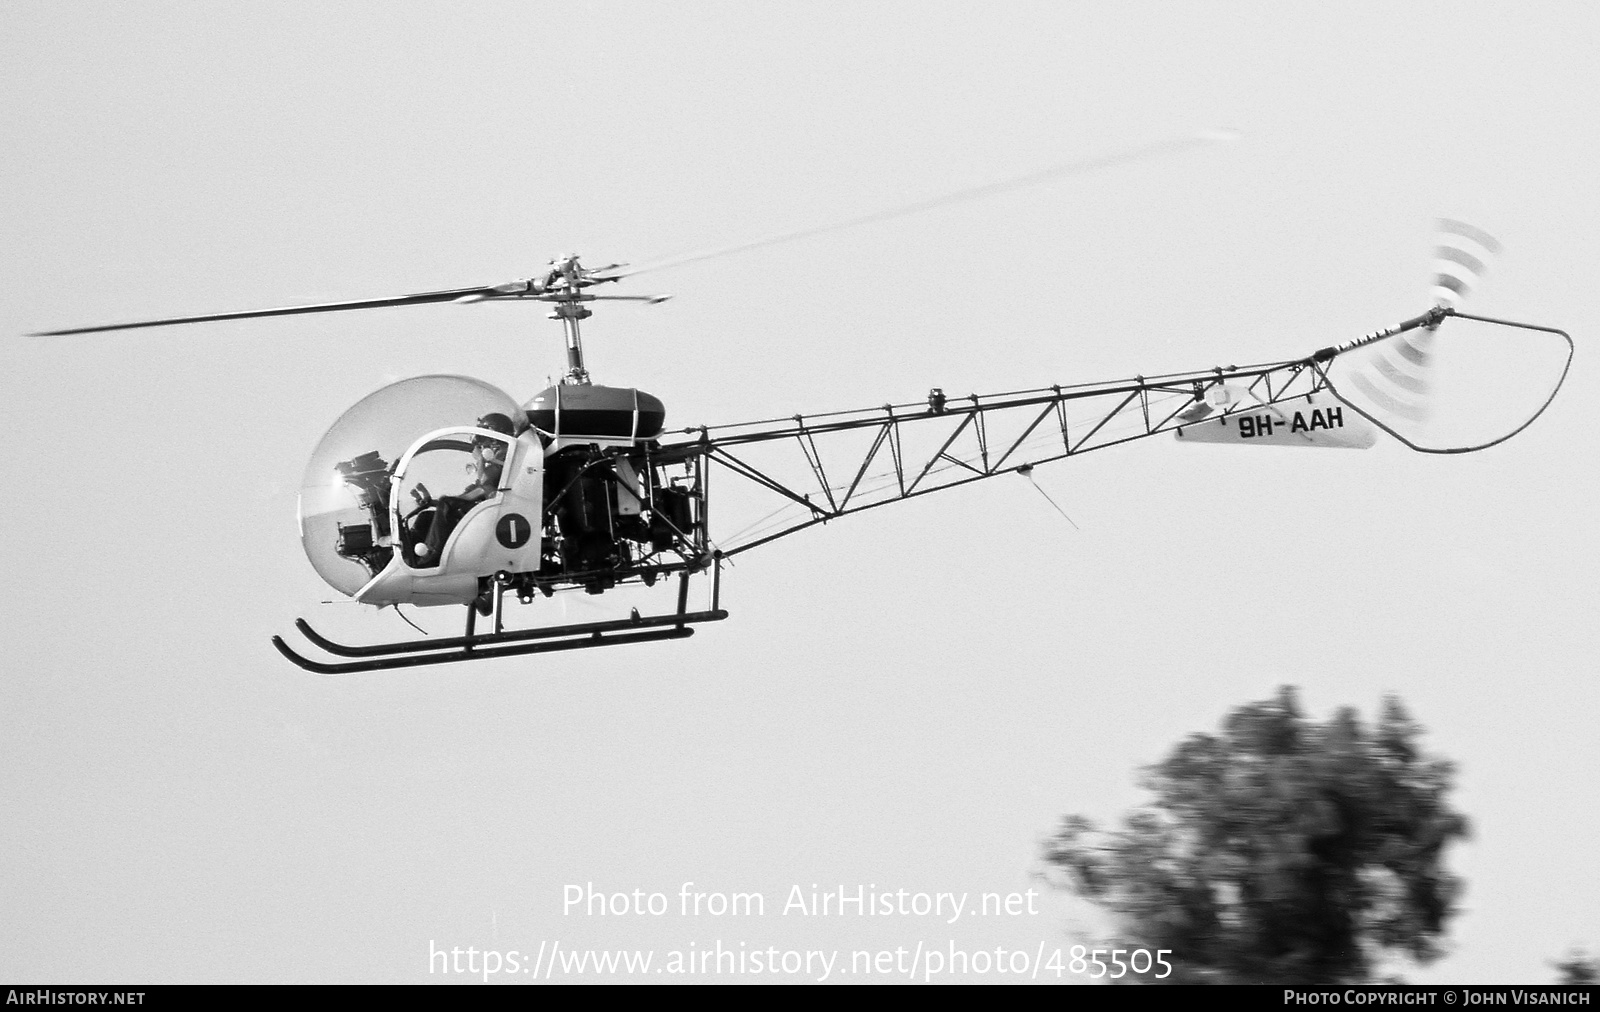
496	422
493	449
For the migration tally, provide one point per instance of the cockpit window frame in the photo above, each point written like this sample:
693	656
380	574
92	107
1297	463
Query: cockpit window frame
435	441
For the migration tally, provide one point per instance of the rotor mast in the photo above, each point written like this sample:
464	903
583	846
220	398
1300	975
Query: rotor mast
569	312
565	284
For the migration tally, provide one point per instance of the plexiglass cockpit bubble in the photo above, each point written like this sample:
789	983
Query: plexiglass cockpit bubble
344	496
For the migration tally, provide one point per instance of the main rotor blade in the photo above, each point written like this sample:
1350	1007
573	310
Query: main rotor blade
419	299
1126	156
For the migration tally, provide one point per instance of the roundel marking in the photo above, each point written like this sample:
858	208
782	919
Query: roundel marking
513	530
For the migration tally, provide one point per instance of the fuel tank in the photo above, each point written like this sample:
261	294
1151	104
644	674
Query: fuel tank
573	413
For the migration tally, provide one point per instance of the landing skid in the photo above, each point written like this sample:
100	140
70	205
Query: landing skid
476	646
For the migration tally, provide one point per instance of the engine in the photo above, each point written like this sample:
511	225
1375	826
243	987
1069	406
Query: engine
613	509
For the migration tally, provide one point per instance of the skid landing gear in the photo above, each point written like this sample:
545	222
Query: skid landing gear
475	646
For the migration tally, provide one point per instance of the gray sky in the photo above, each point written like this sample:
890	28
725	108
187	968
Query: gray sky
907	699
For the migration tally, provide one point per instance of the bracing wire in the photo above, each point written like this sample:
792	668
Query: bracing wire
1028	474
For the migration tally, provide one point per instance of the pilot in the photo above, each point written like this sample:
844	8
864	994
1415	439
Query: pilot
488	464
488	457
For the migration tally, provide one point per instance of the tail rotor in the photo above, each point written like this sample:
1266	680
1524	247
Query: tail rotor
1397	376
1460	262
1491	382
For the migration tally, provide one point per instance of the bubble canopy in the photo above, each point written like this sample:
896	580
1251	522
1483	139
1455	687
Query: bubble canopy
387	423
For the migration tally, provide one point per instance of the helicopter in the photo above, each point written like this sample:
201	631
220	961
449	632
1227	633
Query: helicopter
446	491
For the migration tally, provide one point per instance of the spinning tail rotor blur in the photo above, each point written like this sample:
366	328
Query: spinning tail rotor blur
1458	382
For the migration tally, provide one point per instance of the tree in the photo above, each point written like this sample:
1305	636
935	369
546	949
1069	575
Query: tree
1280	851
1577	968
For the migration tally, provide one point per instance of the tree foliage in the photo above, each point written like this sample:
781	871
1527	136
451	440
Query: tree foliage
1578	968
1281	850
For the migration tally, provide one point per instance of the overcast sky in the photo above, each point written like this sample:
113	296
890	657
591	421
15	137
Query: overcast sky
909	699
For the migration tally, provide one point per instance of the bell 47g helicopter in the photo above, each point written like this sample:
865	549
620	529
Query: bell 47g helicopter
443	490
